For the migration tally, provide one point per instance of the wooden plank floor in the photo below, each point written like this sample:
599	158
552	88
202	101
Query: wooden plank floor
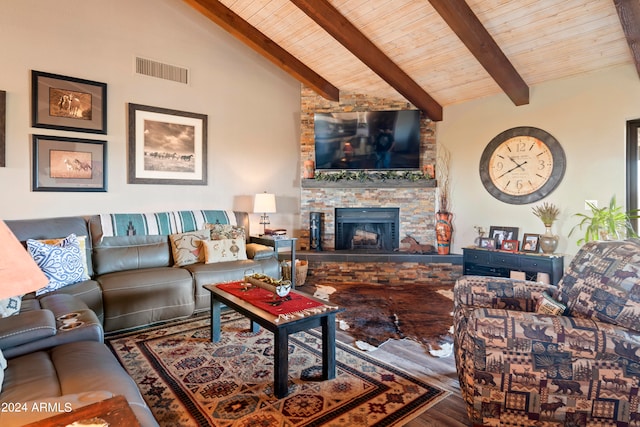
412	357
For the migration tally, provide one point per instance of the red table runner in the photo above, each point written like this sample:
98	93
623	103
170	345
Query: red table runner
263	299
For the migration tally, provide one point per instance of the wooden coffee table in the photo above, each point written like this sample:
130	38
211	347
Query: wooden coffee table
281	330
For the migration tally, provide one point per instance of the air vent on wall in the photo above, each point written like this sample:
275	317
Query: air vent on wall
148	67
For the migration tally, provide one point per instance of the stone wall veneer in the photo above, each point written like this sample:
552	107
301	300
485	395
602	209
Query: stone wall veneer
417	204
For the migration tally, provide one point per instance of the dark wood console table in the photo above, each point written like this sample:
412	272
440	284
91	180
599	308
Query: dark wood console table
486	262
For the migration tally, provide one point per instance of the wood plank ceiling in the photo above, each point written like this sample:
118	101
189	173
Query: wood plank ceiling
433	53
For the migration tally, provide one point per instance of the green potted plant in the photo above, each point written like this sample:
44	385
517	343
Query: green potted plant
607	223
548	213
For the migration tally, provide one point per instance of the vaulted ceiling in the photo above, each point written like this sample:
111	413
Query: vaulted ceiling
433	53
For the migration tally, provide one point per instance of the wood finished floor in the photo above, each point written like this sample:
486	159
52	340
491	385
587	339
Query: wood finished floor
412	357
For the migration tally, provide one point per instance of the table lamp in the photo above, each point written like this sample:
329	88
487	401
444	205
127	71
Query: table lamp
19	273
264	203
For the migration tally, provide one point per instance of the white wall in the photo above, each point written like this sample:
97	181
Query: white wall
252	106
587	114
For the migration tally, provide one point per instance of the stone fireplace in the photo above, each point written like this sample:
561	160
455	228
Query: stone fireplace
415	201
367	229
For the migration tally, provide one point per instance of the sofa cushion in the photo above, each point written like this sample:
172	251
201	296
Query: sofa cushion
145	296
224	250
62	263
602	282
122	253
10	306
187	247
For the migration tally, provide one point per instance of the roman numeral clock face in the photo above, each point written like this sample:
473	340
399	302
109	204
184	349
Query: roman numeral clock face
522	165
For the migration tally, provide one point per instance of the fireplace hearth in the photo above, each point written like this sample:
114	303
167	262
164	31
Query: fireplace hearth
367	229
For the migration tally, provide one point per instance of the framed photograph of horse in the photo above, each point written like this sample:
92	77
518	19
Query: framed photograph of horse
166	146
68	103
69	164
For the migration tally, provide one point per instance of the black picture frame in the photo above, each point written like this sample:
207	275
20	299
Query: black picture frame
530	243
503	233
152	161
68	103
69	164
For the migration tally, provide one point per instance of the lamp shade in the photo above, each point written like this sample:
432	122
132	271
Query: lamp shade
264	203
19	274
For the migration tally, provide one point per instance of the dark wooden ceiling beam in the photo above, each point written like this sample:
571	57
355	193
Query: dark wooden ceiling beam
325	15
241	29
459	16
629	14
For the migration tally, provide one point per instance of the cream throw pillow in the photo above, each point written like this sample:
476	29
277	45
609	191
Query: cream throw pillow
186	247
224	250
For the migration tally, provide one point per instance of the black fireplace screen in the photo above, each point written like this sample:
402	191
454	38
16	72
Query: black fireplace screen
373	229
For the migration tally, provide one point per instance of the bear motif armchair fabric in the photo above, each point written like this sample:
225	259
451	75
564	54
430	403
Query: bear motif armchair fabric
519	367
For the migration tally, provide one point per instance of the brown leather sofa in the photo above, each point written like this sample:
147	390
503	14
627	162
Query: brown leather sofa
133	280
55	365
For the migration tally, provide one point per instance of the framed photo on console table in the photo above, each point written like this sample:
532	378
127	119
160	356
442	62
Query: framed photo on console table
503	233
510	245
68	103
69	164
531	243
167	146
487	243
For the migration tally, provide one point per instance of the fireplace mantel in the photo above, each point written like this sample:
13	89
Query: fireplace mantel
389	183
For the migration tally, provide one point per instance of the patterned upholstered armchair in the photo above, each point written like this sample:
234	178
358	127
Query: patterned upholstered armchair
519	367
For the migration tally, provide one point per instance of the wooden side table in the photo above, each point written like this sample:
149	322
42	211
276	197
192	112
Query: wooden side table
280	243
115	411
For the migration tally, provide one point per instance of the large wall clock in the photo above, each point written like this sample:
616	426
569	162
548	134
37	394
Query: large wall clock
522	165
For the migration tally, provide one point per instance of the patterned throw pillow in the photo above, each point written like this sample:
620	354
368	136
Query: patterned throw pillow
186	247
226	231
10	306
82	241
62	264
224	250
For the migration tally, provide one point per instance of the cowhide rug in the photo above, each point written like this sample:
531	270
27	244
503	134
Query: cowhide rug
376	313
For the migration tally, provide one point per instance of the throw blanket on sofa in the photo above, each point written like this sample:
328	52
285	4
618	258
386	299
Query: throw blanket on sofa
162	223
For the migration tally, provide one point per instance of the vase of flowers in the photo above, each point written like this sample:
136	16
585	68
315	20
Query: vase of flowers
548	213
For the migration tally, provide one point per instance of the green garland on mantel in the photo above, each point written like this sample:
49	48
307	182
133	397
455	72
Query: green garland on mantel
365	175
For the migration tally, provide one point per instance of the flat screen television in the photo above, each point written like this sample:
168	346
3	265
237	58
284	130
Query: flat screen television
373	140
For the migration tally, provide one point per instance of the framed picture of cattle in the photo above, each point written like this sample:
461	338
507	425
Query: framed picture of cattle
69	164
68	103
166	146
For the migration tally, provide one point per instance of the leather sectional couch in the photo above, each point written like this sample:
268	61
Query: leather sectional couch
133	282
133	279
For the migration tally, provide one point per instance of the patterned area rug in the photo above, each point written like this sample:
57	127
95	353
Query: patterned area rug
189	381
